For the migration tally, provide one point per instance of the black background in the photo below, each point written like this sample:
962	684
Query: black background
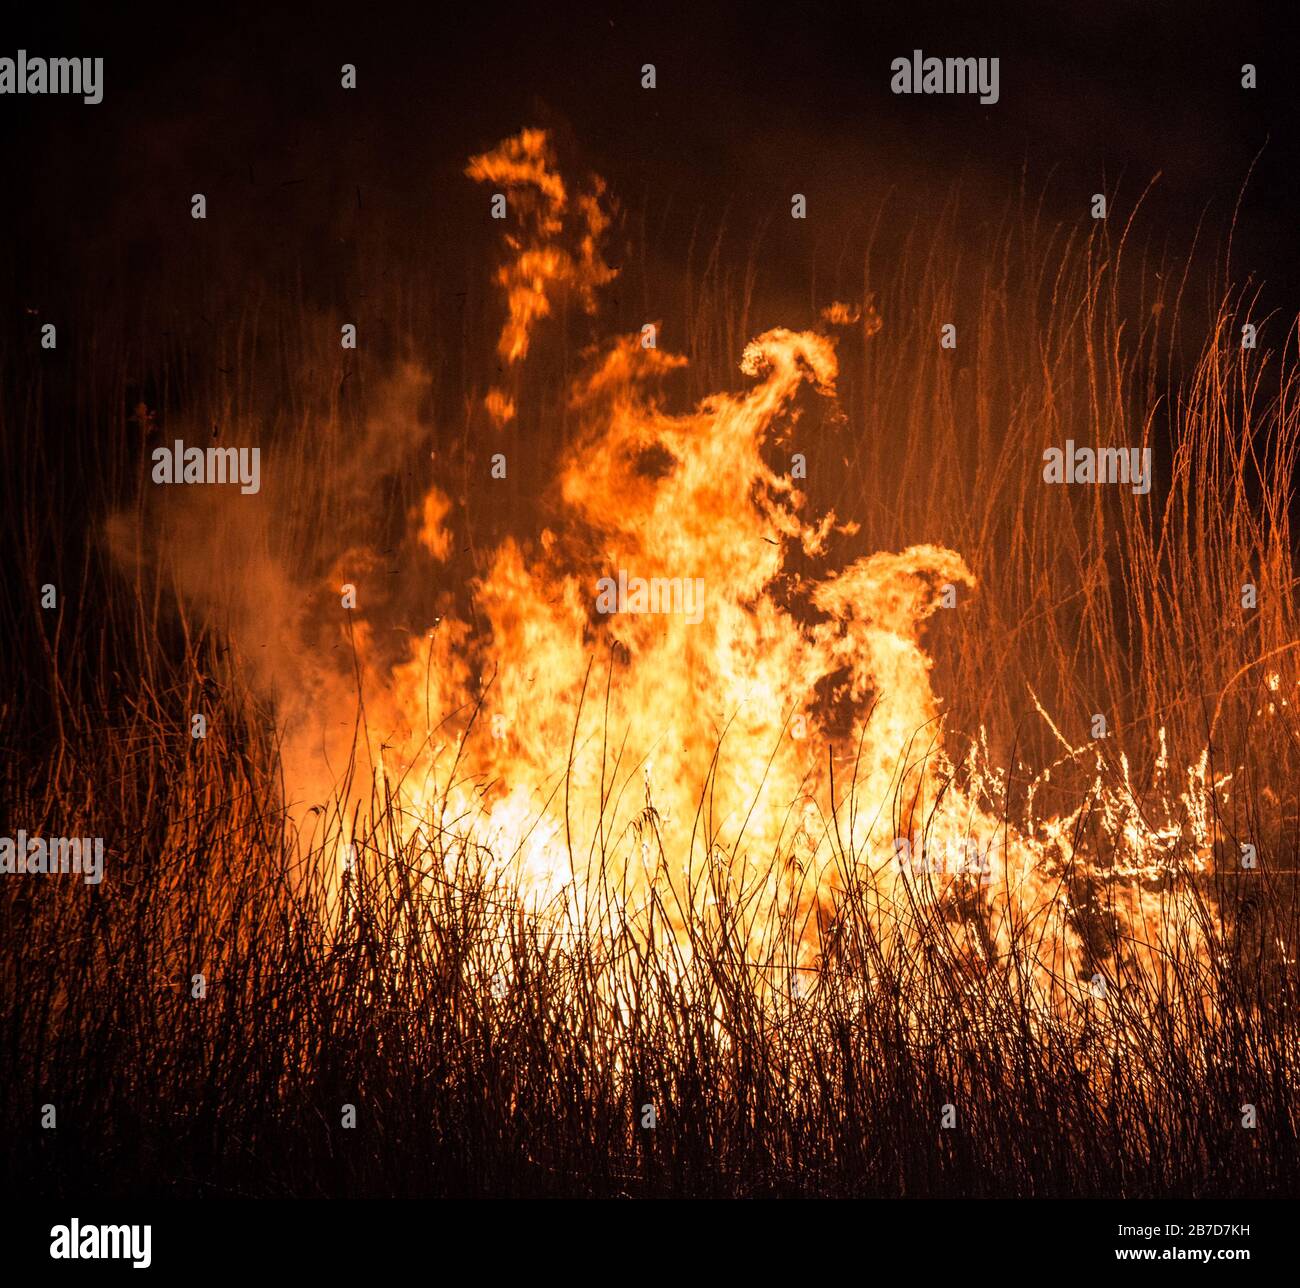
753	103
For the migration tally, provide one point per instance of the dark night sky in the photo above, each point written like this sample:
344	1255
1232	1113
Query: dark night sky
753	103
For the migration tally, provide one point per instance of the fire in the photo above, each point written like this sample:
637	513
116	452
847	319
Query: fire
779	746
700	740
669	710
538	205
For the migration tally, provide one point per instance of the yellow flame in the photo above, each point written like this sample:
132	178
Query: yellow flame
602	756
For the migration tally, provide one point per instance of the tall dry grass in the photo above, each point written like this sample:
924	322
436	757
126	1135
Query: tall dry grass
490	1052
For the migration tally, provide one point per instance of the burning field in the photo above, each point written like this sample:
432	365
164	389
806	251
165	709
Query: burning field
552	739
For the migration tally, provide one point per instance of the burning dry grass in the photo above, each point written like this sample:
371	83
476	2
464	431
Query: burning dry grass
501	874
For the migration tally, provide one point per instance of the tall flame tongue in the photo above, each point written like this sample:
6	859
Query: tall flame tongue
654	692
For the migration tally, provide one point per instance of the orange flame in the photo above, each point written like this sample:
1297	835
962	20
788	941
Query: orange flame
537	202
647	692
